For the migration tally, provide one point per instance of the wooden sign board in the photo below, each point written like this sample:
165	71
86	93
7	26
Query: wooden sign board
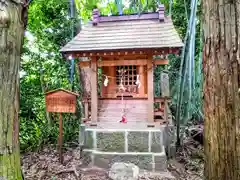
61	100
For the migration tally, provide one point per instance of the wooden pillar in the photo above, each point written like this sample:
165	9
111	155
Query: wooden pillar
94	94
111	90
150	89
141	89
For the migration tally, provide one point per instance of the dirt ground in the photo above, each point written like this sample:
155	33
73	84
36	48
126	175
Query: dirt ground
44	165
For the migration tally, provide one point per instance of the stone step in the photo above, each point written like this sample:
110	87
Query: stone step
145	161
133	125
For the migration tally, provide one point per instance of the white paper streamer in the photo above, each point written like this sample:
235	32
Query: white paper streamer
138	83
106	82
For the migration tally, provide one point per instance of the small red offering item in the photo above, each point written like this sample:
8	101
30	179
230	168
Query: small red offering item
161	109
124	120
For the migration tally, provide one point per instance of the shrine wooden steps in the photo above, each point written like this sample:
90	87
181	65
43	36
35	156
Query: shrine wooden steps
134	110
113	110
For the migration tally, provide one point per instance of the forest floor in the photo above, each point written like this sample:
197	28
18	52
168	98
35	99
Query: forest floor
44	165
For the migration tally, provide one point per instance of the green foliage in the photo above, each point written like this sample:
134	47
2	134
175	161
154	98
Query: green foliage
44	69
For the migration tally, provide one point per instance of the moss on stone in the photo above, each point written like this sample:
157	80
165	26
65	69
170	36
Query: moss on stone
114	142
138	141
110	142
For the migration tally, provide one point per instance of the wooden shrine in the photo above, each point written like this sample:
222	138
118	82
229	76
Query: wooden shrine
121	52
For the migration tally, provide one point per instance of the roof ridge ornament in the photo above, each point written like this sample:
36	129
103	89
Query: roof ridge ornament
161	10
95	16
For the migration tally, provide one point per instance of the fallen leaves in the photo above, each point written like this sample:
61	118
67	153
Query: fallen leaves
44	165
189	163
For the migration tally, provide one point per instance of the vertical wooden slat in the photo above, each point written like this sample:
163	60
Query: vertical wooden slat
94	94
104	89
60	138
150	89
145	79
141	73
128	76
102	80
111	83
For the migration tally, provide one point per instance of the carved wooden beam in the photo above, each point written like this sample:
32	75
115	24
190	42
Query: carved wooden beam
123	63
157	51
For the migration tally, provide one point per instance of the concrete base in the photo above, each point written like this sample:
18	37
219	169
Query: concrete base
142	147
157	162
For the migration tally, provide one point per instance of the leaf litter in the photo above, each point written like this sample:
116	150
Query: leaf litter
45	165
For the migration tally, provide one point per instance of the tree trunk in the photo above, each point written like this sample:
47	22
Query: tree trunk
221	66
11	37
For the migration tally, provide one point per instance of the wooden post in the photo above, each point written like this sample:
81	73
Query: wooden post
94	94
60	141
141	89
150	90
112	83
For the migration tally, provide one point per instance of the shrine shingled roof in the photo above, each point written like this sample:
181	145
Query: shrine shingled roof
126	32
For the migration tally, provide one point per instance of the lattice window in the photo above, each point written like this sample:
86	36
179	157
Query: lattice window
129	77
